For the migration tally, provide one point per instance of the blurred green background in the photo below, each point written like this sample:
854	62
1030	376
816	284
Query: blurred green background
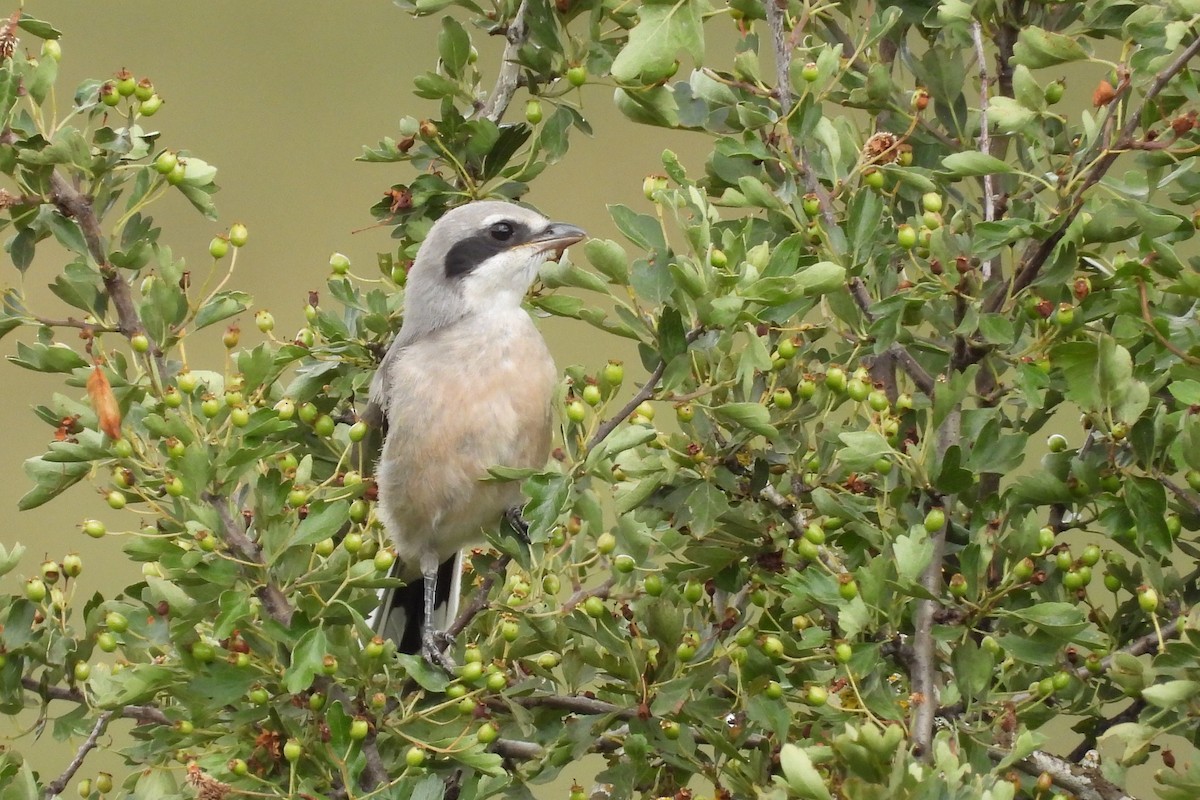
281	97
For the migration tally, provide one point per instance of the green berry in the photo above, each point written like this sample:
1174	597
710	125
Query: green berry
339	264
935	520
533	111
594	607
577	76
165	162
150	106
292	751
414	757
238	234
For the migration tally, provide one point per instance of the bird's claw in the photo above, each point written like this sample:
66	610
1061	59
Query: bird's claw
517	523
434	644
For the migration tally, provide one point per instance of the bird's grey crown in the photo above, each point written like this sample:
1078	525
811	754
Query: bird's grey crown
461	241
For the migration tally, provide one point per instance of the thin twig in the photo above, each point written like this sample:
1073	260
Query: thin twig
1148	318
783	46
509	76
580	596
146	715
56	786
645	393
1185	497
479	597
272	597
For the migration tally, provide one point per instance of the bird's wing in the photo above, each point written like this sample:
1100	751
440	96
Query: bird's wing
377	397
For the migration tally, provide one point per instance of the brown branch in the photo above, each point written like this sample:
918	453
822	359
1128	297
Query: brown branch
574	704
600	591
985	143
145	715
272	597
1085	783
510	68
924	657
1130	714
923	380
56	786
645	393
1185	497
1036	255
71	322
479	597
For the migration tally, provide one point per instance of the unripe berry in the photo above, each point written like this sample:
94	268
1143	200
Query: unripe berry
614	373
339	264
533	111
238	234
165	162
1147	599
218	247
577	76
150	106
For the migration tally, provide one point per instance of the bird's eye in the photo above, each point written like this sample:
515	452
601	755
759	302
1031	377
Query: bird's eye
502	231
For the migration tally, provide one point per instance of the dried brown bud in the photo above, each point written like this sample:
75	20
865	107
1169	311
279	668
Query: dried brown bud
1103	95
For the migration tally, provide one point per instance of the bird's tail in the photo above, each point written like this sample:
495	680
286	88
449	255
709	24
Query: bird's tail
401	611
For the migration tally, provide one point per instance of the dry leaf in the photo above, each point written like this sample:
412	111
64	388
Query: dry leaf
1103	95
105	402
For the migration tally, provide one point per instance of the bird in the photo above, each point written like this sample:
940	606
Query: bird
464	387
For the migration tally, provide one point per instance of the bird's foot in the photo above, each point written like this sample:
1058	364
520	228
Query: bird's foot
434	644
517	522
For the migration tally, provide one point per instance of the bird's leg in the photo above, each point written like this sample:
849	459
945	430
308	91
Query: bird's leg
433	642
517	522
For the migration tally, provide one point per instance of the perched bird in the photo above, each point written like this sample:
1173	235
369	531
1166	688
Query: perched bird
466	386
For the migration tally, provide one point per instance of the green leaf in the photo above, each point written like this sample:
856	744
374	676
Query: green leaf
222	306
751	416
323	520
863	449
609	259
454	46
911	553
663	30
801	776
971	163
1037	48
52	480
307	660
620	440
1171	693
821	278
1062	619
1146	500
9	558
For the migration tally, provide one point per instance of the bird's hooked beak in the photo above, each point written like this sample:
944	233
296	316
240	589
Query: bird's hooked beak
557	237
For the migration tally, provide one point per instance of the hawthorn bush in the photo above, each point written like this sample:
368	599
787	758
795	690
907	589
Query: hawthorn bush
818	546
